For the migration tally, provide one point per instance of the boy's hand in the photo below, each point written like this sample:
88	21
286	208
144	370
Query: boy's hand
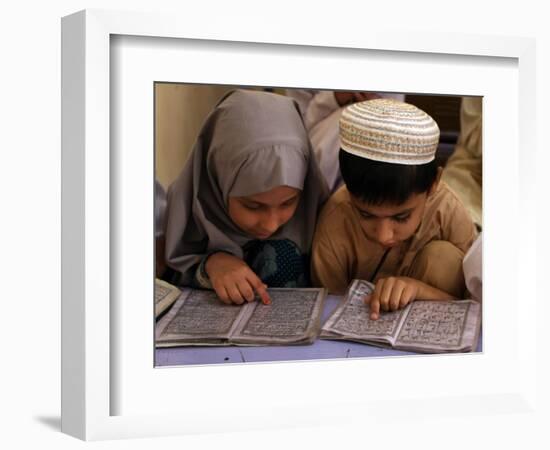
233	280
391	294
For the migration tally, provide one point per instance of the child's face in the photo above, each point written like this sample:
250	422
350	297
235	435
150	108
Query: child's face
388	224
261	215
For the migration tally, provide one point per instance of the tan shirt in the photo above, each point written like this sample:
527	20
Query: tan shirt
342	252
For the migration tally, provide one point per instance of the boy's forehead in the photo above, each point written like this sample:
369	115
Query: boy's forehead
387	208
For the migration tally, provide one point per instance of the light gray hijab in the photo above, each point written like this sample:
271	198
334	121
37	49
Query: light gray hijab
250	143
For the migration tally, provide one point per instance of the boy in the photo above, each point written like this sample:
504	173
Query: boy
393	223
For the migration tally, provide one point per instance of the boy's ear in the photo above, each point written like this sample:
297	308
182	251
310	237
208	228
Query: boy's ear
435	184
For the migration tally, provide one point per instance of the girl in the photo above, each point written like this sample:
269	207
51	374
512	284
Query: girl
242	213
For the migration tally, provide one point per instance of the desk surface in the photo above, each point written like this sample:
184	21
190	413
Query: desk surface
320	349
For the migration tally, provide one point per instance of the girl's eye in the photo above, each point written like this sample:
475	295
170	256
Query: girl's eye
290	202
252	207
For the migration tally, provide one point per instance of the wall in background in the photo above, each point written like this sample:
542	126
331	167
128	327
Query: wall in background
180	112
182	108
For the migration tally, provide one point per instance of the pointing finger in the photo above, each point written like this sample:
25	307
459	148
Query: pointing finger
264	296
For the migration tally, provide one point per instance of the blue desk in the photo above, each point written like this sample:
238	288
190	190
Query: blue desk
320	349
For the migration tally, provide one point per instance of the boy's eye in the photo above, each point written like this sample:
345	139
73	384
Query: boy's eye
402	219
365	215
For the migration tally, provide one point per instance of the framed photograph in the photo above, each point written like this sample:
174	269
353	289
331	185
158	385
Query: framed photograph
111	387
195	327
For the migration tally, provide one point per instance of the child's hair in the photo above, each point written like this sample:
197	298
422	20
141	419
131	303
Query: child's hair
377	182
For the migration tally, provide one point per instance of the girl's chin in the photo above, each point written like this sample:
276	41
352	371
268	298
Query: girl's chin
261	236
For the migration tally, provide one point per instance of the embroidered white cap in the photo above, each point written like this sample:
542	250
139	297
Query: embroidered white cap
389	130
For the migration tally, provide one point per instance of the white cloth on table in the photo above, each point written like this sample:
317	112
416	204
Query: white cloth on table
472	265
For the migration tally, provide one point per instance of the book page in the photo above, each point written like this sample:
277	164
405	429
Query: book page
440	326
197	317
352	318
292	317
165	295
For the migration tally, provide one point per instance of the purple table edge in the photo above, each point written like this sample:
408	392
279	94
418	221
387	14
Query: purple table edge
321	349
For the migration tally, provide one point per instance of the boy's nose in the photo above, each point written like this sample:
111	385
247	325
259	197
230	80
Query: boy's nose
384	233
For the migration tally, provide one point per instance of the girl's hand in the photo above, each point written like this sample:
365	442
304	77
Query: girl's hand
391	294
233	280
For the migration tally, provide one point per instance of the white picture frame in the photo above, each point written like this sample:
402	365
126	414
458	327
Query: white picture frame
110	388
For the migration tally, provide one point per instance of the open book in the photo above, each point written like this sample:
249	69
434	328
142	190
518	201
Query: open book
426	326
165	295
200	318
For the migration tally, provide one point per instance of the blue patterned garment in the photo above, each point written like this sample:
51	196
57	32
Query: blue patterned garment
278	263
